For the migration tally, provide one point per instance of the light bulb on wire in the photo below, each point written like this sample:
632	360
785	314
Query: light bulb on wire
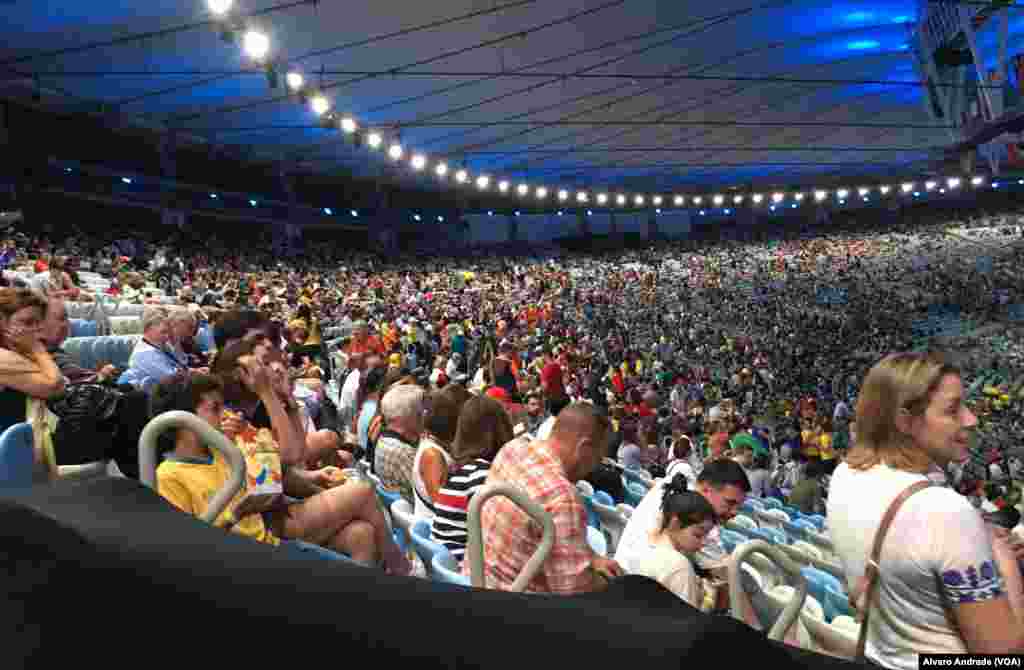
419	161
503	186
320	105
523	190
678	200
461	176
441	170
542	192
220	7
256	44
395	151
349	125
374	140
295	80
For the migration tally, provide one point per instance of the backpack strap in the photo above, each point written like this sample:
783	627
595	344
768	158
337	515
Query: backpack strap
864	591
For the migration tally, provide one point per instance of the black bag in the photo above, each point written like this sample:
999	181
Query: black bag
88	421
86	403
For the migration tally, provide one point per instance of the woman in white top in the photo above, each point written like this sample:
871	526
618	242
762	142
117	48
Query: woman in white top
947	582
687	518
681	450
433	457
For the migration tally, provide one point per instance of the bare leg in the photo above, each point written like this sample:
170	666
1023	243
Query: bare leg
322	518
357	540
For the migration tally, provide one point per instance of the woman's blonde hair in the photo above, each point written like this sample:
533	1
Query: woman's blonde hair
898	383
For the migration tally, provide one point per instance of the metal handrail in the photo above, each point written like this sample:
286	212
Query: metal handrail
737	596
211	437
475	544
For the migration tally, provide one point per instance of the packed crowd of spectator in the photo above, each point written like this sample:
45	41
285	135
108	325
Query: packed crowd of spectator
717	371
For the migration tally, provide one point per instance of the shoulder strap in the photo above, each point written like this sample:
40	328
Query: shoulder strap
864	592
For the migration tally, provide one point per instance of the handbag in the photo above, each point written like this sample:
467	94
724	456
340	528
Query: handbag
864	591
80	401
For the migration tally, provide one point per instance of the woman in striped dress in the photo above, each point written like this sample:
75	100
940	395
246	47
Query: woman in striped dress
482	430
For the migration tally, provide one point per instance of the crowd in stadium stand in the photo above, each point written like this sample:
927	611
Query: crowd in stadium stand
717	375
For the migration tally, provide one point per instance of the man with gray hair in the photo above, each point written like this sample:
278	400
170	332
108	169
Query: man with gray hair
151	360
403	410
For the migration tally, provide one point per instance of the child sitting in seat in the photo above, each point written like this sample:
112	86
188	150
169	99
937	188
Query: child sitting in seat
344	516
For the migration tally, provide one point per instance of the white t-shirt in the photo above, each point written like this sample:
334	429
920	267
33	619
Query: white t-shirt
662	563
635	536
936	532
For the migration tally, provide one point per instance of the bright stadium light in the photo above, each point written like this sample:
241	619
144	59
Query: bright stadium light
441	170
374	140
220	7
778	197
697	199
602	198
542	192
842	193
582	196
737	199
656	200
953	182
884	190
461	176
799	197
639	200
320	105
820	195
907	187
395	151
503	186
256	44
349	125
620	199
482	182
930	185
977	181
862	191
718	200
523	190
419	161
678	200
563	195
758	198
295	80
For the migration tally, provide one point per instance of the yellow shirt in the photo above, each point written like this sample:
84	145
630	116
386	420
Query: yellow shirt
810	443
190	485
825	446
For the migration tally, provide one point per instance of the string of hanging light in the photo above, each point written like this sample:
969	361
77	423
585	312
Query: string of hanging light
257	47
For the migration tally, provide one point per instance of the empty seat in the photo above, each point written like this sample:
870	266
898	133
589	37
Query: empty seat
82	328
16	457
745	521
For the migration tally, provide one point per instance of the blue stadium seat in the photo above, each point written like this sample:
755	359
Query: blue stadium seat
83	328
425	547
16	457
446	569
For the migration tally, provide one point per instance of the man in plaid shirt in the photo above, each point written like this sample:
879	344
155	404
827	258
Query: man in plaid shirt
546	471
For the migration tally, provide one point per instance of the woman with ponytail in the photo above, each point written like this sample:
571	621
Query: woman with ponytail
686	519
